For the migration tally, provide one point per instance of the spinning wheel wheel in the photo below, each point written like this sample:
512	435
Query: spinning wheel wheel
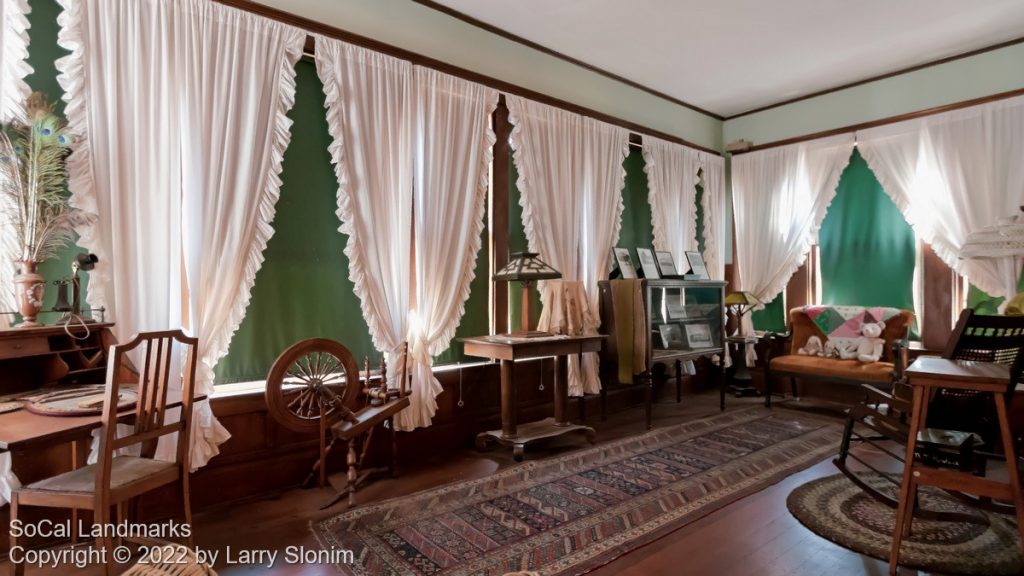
312	385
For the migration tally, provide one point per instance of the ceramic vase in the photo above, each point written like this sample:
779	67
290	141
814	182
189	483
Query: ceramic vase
29	286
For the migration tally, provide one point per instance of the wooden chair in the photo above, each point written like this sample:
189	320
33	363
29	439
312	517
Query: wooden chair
962	425
116	479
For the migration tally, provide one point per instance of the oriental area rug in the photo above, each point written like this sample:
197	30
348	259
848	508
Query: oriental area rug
572	513
836	509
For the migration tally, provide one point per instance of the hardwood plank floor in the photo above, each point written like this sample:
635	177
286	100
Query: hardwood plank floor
755	536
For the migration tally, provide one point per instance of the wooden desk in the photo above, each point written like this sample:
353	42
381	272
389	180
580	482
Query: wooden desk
24	430
508	350
927	374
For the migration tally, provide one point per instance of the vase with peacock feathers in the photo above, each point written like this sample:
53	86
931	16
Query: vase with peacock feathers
36	219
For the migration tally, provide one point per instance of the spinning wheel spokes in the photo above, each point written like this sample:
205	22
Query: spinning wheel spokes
312	379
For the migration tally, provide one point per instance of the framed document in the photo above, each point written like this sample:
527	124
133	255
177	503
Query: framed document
647	263
671	336
666	265
624	262
697	267
675	308
699	336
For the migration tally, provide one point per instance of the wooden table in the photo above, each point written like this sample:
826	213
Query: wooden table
926	375
508	349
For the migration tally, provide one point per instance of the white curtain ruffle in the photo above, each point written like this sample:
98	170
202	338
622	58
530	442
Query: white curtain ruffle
672	193
192	146
369	99
570	180
14	69
780	197
716	213
453	150
953	173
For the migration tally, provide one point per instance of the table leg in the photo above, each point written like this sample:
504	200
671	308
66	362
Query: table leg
562	388
509	426
74	511
1011	462
905	509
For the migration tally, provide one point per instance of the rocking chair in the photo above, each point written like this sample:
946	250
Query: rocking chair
961	425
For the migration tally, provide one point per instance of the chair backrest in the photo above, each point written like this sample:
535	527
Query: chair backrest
159	375
979	338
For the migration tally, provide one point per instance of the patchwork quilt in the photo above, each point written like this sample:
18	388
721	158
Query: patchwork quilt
841	324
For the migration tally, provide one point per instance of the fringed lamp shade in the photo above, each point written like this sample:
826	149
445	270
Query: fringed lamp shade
527	268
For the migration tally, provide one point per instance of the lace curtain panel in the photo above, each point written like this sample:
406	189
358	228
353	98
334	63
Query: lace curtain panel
954	173
14	69
672	172
780	196
195	129
571	179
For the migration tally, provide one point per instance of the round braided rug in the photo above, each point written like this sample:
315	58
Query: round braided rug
836	509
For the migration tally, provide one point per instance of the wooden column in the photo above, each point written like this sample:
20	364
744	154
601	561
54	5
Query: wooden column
501	175
937	324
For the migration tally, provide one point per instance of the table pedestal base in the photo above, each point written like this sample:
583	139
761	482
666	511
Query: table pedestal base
526	433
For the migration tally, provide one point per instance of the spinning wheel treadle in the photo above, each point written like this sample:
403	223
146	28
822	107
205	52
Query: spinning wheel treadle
312	385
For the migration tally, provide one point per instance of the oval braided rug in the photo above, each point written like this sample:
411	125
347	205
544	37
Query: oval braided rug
836	509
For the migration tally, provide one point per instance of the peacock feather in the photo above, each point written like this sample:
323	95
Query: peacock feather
33	178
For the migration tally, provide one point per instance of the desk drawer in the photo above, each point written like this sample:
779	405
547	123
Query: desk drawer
17	347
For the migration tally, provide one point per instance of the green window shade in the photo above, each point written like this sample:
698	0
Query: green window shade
773	317
868	251
517	243
302	290
476	320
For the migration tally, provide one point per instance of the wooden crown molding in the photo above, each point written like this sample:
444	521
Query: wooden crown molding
315	27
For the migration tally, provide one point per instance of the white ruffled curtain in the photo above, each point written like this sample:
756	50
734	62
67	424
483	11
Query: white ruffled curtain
672	193
716	212
189	141
453	148
780	196
14	69
369	116
953	173
570	179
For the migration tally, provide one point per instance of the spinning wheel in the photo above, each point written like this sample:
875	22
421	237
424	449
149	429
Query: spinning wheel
312	385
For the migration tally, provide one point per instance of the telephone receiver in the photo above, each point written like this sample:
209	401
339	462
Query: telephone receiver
83	261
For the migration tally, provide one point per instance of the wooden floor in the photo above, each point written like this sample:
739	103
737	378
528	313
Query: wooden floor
753	536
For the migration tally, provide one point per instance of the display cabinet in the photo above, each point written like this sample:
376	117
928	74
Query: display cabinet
685	321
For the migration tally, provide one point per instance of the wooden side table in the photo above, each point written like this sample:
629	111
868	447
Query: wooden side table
927	374
508	349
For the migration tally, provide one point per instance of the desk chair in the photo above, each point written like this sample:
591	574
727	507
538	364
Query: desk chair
114	479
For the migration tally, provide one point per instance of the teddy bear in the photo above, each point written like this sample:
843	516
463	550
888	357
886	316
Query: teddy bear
871	343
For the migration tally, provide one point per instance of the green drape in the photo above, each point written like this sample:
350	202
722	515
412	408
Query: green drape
868	251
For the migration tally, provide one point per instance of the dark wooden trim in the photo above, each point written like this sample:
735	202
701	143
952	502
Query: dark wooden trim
938	280
315	27
550	52
879	77
884	121
501	174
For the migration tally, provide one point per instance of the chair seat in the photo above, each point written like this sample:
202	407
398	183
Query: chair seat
124	471
818	367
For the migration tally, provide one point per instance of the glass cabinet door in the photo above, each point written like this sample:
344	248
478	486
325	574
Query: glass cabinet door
685	318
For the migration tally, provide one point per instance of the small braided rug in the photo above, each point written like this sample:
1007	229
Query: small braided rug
571	513
836	509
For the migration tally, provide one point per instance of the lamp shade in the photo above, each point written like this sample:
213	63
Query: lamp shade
526	266
741	299
1000	240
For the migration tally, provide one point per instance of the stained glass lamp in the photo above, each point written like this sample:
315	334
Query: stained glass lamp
527	268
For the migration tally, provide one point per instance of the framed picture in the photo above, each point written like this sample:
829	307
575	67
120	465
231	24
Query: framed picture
675	308
699	336
671	336
647	263
666	265
697	267
624	262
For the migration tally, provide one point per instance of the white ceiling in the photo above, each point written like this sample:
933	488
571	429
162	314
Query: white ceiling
731	56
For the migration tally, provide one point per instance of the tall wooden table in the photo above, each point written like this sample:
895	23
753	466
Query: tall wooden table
508	349
926	375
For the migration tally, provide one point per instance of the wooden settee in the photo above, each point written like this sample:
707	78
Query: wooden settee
882	373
